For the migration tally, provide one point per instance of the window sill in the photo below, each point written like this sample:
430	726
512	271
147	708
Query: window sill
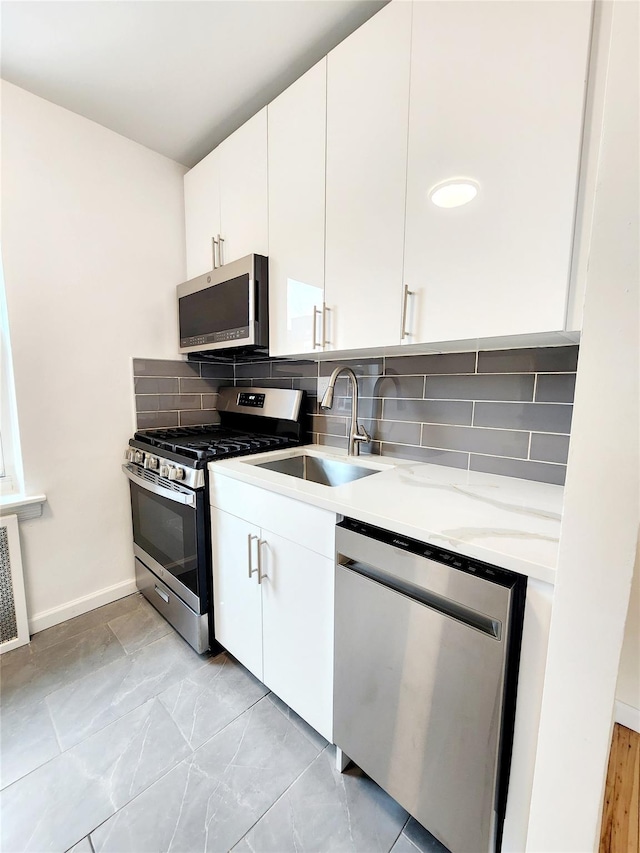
24	506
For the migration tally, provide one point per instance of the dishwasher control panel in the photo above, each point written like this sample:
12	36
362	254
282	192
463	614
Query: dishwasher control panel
503	577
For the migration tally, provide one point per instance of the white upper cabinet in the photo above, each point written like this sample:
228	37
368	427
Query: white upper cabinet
297	149
202	213
226	195
367	108
243	190
497	95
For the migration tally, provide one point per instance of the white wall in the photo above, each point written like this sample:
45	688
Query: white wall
93	247
601	510
628	689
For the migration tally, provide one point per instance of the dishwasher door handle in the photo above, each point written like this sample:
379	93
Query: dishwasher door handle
433	600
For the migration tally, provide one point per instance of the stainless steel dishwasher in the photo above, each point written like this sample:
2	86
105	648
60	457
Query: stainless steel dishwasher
427	645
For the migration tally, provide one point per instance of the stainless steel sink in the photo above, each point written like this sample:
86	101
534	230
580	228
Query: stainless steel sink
327	472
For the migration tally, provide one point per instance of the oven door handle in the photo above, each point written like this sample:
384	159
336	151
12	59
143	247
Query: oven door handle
187	498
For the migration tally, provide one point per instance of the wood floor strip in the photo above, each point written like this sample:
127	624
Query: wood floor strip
621	811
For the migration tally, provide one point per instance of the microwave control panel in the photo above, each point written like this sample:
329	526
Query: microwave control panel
216	337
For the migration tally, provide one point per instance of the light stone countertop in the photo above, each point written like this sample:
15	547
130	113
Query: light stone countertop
511	523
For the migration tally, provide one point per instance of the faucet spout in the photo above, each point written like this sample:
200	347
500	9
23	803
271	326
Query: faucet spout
357	433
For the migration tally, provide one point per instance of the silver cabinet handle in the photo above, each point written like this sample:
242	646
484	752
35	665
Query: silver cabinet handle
250	538
324	323
261	542
316	311
405	298
214	245
220	257
163	595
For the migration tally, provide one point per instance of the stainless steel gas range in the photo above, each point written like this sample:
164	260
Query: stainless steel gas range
167	472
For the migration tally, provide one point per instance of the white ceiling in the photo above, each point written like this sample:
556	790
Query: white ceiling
175	75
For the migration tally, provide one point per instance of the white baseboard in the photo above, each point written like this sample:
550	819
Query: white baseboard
48	618
627	716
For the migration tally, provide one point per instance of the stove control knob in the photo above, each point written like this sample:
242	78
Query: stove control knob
176	473
138	456
151	462
129	454
164	471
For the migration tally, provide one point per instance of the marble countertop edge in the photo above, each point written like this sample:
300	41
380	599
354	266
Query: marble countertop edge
513	524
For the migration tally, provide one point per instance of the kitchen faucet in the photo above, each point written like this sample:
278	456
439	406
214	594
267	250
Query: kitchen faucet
357	433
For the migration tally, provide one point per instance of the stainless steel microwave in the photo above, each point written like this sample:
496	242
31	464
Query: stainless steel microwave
226	309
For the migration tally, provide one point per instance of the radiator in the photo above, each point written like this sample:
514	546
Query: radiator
14	627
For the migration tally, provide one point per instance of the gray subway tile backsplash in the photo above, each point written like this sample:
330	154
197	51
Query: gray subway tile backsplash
432	364
476	387
549	448
395	432
360	366
147	402
427	454
253	370
429	411
299	369
519	468
180	401
308	384
556	388
156	420
497	442
157	385
266	382
505	411
534	417
199	417
202	386
214	370
328	425
209	401
531	360
392	386
162	367
172	393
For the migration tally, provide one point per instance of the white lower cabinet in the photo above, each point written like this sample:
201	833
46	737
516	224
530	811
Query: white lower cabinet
237	603
273	598
297	629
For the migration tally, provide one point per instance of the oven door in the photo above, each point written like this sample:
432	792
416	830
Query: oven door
169	536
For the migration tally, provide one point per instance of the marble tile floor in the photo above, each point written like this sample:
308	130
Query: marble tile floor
116	737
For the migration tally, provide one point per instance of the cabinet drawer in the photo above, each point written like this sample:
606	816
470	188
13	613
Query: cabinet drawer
292	519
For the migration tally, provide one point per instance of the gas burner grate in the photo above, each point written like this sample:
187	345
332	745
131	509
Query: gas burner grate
208	443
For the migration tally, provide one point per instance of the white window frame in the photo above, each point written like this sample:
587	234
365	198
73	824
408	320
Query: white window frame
11	474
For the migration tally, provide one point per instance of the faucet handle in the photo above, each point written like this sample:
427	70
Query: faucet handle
362	434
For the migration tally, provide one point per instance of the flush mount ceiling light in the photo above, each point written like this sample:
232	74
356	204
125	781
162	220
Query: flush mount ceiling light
454	192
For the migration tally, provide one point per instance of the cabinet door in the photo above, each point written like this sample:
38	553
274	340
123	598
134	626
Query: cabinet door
237	604
367	120
243	190
297	131
297	607
202	214
497	92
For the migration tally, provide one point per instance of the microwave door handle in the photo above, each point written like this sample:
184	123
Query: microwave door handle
186	498
252	311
